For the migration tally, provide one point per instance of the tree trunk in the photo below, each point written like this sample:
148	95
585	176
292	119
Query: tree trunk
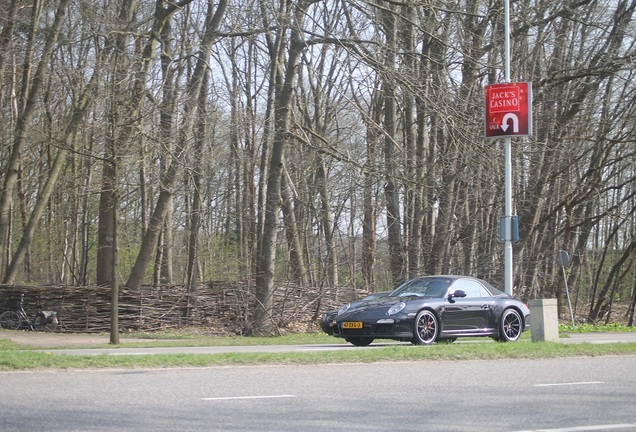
327	222
294	245
196	207
262	322
117	139
369	217
163	262
114	277
391	190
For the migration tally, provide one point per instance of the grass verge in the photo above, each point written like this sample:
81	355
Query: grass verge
25	360
14	357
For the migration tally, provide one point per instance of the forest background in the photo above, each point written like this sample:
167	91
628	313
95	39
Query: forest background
320	143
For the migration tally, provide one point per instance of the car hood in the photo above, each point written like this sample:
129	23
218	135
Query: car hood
382	303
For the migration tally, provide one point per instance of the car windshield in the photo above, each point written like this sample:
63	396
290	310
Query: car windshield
426	287
376	295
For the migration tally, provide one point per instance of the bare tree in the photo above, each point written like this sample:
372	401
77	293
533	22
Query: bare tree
334	143
262	319
195	85
31	89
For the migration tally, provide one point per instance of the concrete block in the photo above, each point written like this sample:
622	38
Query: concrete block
544	320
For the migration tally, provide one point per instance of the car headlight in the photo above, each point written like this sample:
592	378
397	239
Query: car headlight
344	309
396	308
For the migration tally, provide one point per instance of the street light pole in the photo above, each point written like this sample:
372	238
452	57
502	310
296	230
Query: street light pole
508	164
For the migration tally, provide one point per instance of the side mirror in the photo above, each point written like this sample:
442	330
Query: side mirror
458	293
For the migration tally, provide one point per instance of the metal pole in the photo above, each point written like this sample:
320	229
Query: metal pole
508	164
564	260
507	41
567	293
508	204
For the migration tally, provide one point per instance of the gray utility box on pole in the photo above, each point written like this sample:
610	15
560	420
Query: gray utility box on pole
544	320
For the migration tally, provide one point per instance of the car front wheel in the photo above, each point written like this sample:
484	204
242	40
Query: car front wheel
425	328
510	326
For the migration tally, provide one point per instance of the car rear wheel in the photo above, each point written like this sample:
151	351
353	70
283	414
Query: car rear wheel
425	328
510	326
358	341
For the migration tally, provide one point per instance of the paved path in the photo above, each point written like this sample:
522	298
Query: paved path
599	338
89	341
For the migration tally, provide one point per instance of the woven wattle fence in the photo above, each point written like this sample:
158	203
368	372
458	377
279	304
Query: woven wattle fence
220	307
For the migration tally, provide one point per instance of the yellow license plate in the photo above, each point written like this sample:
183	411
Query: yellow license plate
352	325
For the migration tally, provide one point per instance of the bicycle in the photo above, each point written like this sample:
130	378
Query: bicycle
16	318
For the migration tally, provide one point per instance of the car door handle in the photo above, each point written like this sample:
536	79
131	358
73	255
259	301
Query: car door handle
485	306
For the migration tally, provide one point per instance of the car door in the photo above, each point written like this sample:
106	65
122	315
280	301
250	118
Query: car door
468	314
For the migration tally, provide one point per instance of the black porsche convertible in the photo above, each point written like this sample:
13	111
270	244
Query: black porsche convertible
431	309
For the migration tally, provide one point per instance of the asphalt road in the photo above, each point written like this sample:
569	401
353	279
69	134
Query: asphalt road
551	395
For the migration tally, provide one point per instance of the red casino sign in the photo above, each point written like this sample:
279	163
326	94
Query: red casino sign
508	110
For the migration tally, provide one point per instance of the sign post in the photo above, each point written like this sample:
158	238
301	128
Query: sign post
564	260
508	114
